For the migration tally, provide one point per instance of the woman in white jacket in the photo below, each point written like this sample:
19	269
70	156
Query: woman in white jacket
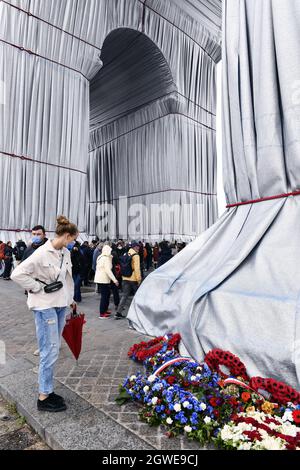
103	277
48	264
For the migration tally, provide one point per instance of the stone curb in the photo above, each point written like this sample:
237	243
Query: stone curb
81	427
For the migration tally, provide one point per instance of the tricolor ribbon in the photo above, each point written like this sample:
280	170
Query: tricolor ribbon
171	362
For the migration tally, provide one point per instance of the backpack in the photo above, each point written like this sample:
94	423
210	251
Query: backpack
19	252
126	264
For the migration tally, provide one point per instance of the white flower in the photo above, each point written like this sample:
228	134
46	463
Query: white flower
169	421
207	420
193	378
146	389
177	407
187	428
289	430
185	404
182	372
272	443
151	378
288	416
132	378
154	400
245	446
203	406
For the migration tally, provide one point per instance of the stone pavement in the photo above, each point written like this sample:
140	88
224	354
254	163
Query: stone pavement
93	419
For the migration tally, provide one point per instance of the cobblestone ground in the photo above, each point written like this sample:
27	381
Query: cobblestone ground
15	434
102	365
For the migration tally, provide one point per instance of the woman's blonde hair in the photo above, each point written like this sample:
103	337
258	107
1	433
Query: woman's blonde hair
65	226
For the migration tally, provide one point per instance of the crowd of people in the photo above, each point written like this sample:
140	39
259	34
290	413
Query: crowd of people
116	267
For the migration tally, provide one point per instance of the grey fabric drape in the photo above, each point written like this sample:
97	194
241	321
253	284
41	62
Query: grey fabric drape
49	55
237	286
153	125
44	117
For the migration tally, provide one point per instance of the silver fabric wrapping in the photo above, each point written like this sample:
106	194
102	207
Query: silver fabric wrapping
44	115
237	286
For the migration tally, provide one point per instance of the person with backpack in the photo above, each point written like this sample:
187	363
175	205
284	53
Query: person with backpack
19	250
103	277
8	260
131	275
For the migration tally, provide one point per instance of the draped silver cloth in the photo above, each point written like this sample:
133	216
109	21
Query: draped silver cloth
236	287
150	111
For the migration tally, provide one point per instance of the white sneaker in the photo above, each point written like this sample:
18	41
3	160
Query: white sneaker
36	352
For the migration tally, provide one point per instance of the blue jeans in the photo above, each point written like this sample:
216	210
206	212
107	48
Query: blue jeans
49	325
77	286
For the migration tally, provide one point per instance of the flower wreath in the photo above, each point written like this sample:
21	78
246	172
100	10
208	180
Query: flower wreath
280	392
215	358
144	350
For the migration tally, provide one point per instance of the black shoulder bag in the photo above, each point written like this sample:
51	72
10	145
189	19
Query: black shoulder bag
56	285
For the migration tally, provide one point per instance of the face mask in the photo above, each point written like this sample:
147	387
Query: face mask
36	239
119	248
71	245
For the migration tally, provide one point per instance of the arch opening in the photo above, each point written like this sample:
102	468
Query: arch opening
134	74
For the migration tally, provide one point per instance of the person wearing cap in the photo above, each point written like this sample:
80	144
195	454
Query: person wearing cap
130	284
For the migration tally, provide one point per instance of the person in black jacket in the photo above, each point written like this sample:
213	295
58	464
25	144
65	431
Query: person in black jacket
87	253
116	269
38	239
8	260
165	253
149	256
78	264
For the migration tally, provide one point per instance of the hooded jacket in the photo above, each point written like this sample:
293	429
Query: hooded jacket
104	274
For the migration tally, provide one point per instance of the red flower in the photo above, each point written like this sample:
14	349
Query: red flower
168	412
280	392
216	413
253	435
144	350
171	379
213	402
296	416
233	401
215	358
245	396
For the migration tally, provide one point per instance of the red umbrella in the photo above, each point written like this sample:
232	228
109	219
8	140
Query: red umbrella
72	332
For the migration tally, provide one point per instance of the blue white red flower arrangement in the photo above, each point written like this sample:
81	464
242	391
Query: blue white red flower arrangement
229	410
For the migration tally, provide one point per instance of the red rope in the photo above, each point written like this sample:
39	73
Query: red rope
268	198
21	48
155	192
50	24
22	157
